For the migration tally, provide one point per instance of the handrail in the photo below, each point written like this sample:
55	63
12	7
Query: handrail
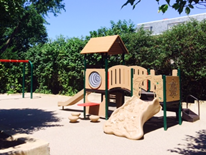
197	102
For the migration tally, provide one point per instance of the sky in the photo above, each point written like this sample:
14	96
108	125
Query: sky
83	16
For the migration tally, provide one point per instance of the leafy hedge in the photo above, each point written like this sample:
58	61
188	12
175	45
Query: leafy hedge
185	44
58	65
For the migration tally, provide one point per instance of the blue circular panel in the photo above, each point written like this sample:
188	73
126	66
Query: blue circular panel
95	80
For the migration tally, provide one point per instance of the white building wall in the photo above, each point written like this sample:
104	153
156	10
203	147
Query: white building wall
157	27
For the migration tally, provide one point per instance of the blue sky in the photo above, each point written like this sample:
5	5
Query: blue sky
82	16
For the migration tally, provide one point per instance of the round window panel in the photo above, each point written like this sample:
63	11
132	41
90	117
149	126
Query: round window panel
95	80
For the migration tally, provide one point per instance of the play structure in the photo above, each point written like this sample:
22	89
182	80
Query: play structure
23	83
113	82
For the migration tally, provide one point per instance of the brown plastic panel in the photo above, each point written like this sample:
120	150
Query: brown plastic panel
98	110
120	76
101	73
137	70
174	72
108	44
155	80
172	88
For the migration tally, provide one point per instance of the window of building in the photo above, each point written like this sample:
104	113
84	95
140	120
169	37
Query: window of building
147	28
170	25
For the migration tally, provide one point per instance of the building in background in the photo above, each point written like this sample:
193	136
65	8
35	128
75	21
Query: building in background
157	27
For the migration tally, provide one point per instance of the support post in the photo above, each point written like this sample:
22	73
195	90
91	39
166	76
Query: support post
23	83
132	82
106	87
180	102
84	85
149	83
164	102
31	88
123	61
123	93
102	65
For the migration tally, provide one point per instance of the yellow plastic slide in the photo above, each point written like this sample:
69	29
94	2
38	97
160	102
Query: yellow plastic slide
128	120
76	98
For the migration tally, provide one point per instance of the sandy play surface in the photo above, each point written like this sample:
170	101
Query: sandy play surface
43	119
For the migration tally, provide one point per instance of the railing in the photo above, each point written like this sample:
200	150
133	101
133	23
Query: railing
120	76
137	70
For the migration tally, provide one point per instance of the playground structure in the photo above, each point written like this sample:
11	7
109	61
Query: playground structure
114	81
23	83
133	79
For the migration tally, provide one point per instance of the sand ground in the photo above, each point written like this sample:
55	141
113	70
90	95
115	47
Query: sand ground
43	119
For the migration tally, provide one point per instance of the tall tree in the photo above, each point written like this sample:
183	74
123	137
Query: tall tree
32	31
178	5
14	13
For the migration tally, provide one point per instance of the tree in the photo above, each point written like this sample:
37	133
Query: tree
15	13
118	28
9	10
178	5
32	31
185	45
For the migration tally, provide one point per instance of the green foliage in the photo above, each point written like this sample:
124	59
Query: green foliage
10	77
178	5
33	31
22	22
9	9
118	28
3	79
138	45
58	66
185	44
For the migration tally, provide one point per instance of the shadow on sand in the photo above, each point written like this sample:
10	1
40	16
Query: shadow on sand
157	122
26	120
194	146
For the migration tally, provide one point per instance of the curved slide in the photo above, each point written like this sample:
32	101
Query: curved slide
76	98
128	120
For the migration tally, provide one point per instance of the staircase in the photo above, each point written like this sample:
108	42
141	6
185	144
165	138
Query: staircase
189	115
